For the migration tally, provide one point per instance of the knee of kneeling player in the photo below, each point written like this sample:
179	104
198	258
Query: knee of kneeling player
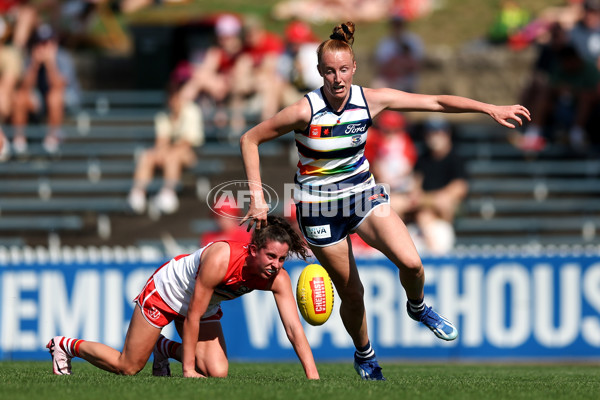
131	369
218	369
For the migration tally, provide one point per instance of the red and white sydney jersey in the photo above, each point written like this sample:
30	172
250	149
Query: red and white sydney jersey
175	280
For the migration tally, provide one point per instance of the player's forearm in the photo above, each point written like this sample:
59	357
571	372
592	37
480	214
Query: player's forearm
303	351
310	369
308	362
458	104
189	340
251	159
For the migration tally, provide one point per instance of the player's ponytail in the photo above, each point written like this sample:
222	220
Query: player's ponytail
279	230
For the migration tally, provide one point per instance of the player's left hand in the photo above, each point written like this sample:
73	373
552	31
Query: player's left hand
502	115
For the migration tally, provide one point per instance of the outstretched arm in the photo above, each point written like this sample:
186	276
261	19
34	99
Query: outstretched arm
290	118
380	99
284	297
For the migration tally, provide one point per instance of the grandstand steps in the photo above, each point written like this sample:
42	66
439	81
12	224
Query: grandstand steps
101	207
78	195
549	198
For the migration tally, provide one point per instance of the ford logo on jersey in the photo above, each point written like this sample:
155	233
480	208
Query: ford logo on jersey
355	128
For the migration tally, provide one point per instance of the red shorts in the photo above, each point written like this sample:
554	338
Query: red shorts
159	314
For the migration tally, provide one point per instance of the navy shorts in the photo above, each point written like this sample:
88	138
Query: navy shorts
327	223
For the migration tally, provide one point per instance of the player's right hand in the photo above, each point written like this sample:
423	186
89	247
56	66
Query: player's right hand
257	214
192	374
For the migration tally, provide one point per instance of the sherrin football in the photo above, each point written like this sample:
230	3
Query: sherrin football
314	294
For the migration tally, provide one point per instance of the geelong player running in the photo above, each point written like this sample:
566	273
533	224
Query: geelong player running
336	194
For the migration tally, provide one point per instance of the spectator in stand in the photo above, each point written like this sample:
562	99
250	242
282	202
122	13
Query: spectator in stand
545	63
255	73
398	57
328	10
10	72
441	186
77	22
565	103
178	132
227	218
511	17
392	156
413	9
22	17
4	150
131	6
11	67
539	28
49	88
213	75
567	14
297	64
585	35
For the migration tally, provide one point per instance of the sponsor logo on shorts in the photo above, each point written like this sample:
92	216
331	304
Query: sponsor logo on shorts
318	232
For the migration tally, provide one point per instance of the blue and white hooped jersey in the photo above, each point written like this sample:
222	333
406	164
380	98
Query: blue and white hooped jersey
332	162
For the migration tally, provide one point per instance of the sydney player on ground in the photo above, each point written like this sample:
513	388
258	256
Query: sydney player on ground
188	290
335	192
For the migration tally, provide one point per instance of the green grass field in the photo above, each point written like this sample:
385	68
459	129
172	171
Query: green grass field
34	380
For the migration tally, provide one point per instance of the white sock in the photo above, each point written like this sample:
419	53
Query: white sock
365	352
416	306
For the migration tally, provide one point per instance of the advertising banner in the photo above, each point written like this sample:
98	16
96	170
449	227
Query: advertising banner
505	308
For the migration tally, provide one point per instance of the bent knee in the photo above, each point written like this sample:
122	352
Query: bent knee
21	98
218	369
413	267
133	370
55	95
151	157
130	369
353	301
219	372
352	294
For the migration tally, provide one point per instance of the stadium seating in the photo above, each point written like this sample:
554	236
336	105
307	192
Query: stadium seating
79	194
92	173
45	223
548	198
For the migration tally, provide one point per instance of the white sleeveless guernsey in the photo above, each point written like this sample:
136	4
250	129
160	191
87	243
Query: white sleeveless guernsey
332	163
